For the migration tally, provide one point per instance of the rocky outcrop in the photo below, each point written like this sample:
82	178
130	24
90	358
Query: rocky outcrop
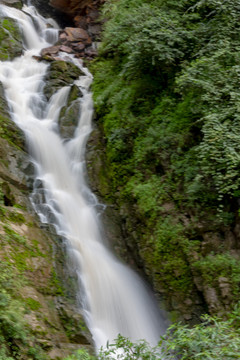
74	41
10	39
14	3
75	8
60	73
81	39
213	262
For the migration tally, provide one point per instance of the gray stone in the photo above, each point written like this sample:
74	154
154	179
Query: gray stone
14	3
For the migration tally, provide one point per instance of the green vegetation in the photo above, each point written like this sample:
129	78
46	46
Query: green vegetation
213	339
16	339
80	355
8	130
10	39
166	94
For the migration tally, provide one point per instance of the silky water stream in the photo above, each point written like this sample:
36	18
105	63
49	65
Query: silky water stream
114	298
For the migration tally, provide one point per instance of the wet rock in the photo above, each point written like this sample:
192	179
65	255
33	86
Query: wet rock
73	322
69	115
10	39
60	74
63	37
47	10
14	3
66	49
52	50
79	46
8	129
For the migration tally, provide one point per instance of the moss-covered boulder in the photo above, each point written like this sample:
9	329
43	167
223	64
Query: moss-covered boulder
69	115
14	3
60	74
10	39
8	130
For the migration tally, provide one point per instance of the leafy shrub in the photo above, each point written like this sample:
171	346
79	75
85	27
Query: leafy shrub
212	339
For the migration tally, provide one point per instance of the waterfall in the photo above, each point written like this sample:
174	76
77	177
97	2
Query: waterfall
114	298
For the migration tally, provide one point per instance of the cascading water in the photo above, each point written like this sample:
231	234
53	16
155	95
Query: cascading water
115	299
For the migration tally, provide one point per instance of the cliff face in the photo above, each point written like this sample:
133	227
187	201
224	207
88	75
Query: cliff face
165	94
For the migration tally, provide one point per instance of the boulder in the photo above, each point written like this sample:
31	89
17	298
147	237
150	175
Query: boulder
77	34
52	50
10	39
66	49
14	3
69	115
60	74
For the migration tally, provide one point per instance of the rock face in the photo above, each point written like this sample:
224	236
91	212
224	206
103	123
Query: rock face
75	8
212	289
82	40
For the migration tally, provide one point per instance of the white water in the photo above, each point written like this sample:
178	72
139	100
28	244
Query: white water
114	298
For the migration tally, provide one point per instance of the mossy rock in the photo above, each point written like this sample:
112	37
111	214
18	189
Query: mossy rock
13	3
70	113
10	39
8	130
60	74
73	324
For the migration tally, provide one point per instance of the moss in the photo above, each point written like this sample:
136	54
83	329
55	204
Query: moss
15	336
17	206
2	212
60	74
13	236
54	286
10	39
8	130
16	217
33	304
74	94
158	249
215	267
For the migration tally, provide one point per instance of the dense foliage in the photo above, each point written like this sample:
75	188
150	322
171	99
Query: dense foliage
212	339
166	94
